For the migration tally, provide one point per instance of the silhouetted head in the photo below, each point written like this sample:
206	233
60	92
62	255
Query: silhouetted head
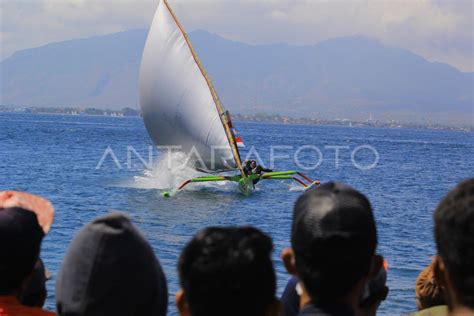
110	269
227	271
20	243
334	239
24	220
454	234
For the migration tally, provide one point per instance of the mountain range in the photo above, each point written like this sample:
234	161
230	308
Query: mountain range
346	77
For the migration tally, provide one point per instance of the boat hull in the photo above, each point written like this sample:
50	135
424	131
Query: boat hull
246	185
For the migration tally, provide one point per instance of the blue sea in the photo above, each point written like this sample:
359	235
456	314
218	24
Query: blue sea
89	165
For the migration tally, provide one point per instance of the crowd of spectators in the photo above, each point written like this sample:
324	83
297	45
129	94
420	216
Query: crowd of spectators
333	264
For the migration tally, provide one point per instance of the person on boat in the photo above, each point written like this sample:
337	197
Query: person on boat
257	169
252	168
227	271
247	169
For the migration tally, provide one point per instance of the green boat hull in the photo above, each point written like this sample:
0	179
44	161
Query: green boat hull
246	185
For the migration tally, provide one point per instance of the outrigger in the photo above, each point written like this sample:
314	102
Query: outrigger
181	108
246	185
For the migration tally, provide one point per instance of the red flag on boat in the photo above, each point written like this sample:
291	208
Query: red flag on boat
239	141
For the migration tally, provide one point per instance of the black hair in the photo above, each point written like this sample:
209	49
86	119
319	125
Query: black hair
454	234
228	271
20	242
334	239
34	293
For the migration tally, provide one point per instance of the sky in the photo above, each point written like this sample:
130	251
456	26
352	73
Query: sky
438	30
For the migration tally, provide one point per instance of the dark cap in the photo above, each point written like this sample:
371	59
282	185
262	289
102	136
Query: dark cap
333	237
111	269
20	243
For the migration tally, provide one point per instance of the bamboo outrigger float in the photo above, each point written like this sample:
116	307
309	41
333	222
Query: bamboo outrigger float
181	108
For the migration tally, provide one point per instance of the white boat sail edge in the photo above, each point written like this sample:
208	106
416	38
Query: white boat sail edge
178	103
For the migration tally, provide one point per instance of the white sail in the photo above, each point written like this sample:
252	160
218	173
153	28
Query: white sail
176	98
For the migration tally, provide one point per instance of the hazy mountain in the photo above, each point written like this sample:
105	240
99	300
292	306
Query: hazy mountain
99	71
342	77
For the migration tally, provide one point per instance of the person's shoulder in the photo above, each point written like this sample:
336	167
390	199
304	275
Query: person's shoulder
24	311
10	305
441	310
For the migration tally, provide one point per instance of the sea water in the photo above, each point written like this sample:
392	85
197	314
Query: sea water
88	165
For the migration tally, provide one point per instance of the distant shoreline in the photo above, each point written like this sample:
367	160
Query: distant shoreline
348	123
265	118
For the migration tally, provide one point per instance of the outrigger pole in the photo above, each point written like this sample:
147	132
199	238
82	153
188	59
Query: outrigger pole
306	182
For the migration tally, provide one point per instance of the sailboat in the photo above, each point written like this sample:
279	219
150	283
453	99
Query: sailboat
181	108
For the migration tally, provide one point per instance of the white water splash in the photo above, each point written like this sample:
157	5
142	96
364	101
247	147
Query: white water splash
293	186
170	172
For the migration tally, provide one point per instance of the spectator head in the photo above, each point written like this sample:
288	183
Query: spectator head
428	292
227	271
454	235
110	269
333	240
24	221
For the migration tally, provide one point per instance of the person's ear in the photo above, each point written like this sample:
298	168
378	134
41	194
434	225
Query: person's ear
439	271
288	258
375	266
274	308
182	304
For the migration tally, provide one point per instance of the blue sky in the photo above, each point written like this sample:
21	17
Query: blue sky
439	30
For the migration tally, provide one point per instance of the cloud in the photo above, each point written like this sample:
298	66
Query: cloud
32	23
439	30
